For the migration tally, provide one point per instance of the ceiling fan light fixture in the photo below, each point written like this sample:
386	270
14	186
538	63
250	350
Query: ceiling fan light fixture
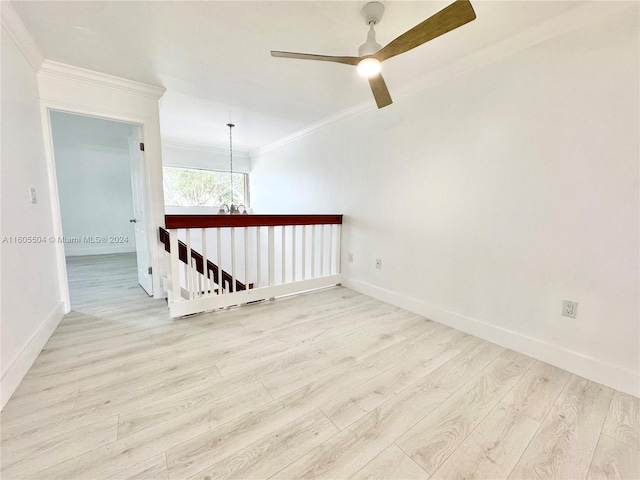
369	67
370	54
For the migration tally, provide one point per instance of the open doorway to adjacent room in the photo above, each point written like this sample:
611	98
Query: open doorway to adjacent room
99	167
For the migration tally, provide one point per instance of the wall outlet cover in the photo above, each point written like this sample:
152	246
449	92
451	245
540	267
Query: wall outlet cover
569	308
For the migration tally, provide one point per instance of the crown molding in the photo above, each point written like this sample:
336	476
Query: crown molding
69	72
581	16
203	148
14	27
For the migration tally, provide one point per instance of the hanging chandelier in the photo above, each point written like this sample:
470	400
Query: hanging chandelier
232	209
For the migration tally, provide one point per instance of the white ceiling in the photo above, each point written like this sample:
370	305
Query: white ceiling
213	56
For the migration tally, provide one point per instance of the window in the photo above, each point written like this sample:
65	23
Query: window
189	187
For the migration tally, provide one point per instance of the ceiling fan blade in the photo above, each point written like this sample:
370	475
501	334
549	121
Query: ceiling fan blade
380	91
325	58
447	19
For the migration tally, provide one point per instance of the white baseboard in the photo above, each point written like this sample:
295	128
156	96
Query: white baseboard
21	365
98	250
574	362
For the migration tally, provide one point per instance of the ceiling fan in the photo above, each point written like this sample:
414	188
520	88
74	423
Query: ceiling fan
371	54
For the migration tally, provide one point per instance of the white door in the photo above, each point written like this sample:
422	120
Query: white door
139	219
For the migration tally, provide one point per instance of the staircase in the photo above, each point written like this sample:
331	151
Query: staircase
198	263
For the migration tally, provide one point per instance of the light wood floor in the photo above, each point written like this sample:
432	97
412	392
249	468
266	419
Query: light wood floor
331	384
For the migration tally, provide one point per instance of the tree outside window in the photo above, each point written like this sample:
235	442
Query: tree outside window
187	187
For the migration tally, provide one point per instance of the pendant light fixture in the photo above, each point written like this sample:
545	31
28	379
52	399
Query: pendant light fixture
224	208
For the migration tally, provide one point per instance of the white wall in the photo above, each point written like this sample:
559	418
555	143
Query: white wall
493	196
31	303
93	171
95	199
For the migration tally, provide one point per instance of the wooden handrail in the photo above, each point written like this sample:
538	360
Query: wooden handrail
199	260
217	221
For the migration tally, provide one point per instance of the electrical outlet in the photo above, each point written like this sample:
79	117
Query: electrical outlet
569	308
378	263
350	257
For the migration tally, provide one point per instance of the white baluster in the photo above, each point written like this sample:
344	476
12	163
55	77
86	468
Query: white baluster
189	271
304	251
185	273
258	257
313	251
175	266
293	253
233	260
205	264
330	249
246	258
322	250
219	261
272	273
284	256
339	248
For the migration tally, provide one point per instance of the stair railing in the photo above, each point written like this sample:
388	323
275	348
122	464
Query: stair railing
217	261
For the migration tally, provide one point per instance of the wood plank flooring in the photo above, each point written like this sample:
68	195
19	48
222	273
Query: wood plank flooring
330	384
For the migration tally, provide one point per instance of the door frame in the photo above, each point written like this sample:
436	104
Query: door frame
46	108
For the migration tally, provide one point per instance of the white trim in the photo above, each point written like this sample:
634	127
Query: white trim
23	362
20	35
574	362
566	22
54	198
69	72
76	109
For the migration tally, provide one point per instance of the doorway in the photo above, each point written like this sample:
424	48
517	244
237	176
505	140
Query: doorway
99	166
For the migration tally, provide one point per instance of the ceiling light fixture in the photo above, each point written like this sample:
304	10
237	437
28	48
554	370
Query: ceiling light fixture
459	13
369	67
224	208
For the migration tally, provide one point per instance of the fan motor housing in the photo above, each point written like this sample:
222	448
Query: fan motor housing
372	13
